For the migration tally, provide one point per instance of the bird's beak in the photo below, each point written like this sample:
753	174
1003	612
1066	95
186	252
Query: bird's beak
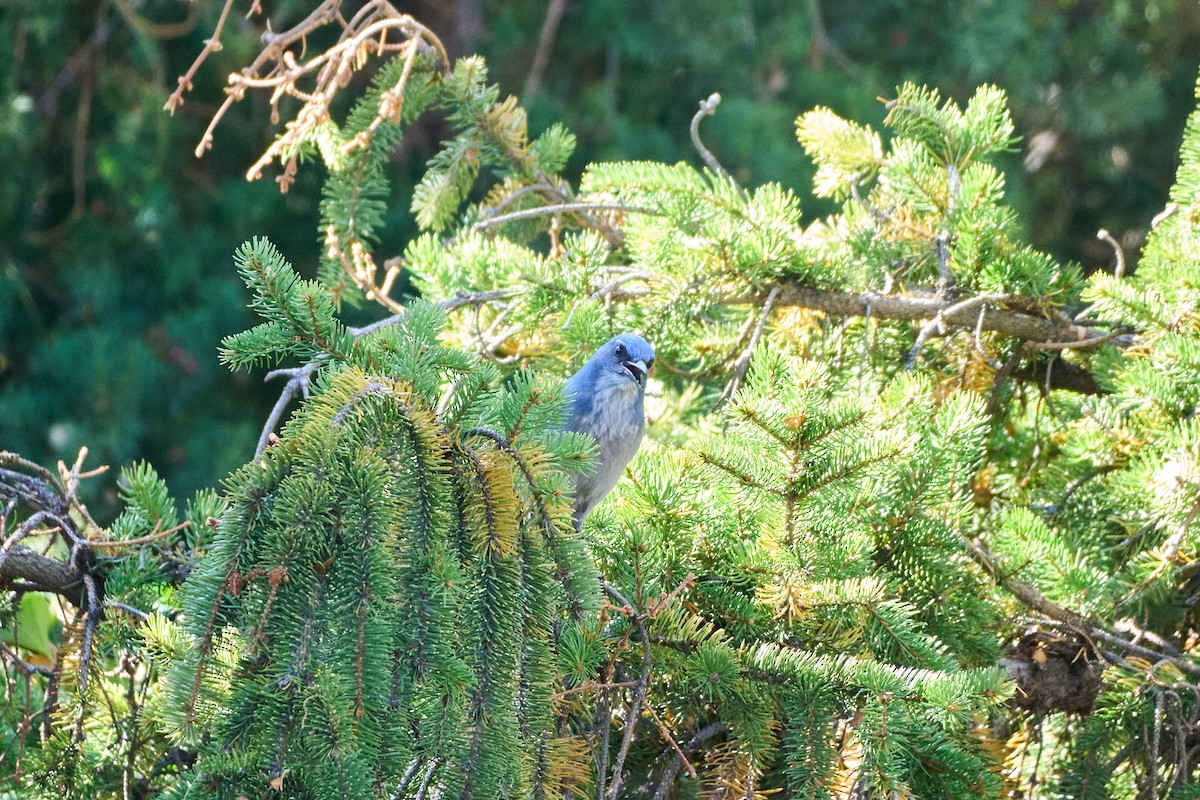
638	370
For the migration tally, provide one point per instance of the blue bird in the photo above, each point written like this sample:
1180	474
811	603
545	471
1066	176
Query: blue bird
607	397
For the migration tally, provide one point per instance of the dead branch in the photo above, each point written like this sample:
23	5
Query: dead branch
558	208
541	57
742	365
283	69
707	107
703	735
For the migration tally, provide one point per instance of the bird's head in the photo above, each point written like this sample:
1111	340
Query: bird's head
627	355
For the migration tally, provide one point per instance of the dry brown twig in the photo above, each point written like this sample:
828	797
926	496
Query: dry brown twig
283	68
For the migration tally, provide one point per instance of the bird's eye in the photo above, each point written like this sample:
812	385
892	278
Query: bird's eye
620	350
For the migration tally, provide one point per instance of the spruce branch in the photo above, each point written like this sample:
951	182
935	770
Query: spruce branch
550	533
299	379
1002	374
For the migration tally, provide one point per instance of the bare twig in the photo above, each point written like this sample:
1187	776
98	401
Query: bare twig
639	691
742	365
211	45
541	57
1118	270
406	778
703	735
150	537
1083	344
391	103
297	384
558	208
281	65
821	43
592	686
128	609
991	362
1170	210
9	655
158	30
425	780
938	323
1118	251
666	733
707	107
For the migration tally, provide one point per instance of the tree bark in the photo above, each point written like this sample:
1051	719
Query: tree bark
28	569
954	313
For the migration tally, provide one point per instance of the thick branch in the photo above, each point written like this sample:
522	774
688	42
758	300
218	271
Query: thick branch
954	314
40	573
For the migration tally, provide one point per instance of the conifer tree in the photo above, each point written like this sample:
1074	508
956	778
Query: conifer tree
381	596
916	520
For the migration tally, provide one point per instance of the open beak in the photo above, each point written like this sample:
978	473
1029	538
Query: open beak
638	370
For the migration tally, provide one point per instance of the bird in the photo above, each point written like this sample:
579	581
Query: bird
606	400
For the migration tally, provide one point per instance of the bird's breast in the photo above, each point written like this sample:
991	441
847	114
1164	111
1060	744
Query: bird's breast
617	413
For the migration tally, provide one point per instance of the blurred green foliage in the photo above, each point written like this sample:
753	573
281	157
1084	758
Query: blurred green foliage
116	279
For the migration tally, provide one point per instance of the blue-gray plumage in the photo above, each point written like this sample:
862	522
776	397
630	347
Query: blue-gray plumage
607	399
